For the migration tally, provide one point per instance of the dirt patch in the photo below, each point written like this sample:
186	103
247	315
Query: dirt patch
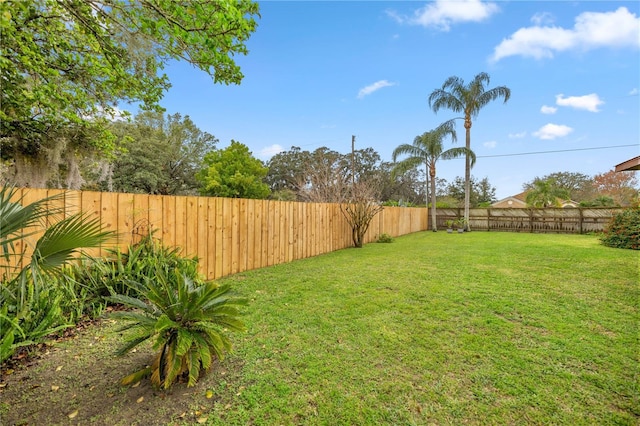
75	381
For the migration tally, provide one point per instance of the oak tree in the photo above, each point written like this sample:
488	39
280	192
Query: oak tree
66	65
161	154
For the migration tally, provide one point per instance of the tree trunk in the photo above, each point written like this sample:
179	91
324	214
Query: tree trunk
467	173
432	175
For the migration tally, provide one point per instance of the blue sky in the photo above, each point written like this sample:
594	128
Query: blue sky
319	72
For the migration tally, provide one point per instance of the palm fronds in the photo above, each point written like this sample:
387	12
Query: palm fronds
187	321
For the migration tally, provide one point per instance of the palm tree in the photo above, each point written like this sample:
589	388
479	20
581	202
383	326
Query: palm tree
546	193
467	99
24	288
427	149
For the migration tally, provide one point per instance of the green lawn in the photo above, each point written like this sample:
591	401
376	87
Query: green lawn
433	329
437	328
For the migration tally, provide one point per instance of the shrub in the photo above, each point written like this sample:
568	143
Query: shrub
384	238
401	203
112	276
34	298
187	320
623	231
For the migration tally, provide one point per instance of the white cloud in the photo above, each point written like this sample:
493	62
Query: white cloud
543	18
394	15
270	151
552	131
117	114
374	87
548	109
111	113
517	135
633	91
591	30
441	14
490	144
587	102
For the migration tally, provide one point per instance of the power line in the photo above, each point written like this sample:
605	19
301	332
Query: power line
560	150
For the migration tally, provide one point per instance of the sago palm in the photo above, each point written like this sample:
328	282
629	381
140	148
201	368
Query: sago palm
468	99
427	149
187	321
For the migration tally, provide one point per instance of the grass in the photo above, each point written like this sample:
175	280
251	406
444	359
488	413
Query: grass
436	328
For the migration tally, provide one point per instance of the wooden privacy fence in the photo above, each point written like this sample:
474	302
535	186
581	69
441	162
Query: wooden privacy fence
577	220
228	235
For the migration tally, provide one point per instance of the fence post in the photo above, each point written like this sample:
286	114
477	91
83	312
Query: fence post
580	221
531	220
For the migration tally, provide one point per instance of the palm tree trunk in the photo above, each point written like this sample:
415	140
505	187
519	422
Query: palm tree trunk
467	174
426	186
432	174
426	192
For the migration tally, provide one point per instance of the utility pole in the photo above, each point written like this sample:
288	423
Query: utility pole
353	160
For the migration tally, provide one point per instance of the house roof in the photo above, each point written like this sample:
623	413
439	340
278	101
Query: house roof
518	199
522	198
632	164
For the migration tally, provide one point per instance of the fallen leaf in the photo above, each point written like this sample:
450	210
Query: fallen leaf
209	394
72	415
8	371
59	368
55	388
202	420
135	385
140	399
92	388
181	416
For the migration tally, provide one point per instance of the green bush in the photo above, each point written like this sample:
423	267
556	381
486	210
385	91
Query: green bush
384	238
187	320
401	203
55	290
106	277
624	230
39	298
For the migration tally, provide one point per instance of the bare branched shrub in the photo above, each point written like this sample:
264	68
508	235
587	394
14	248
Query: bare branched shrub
326	179
362	207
